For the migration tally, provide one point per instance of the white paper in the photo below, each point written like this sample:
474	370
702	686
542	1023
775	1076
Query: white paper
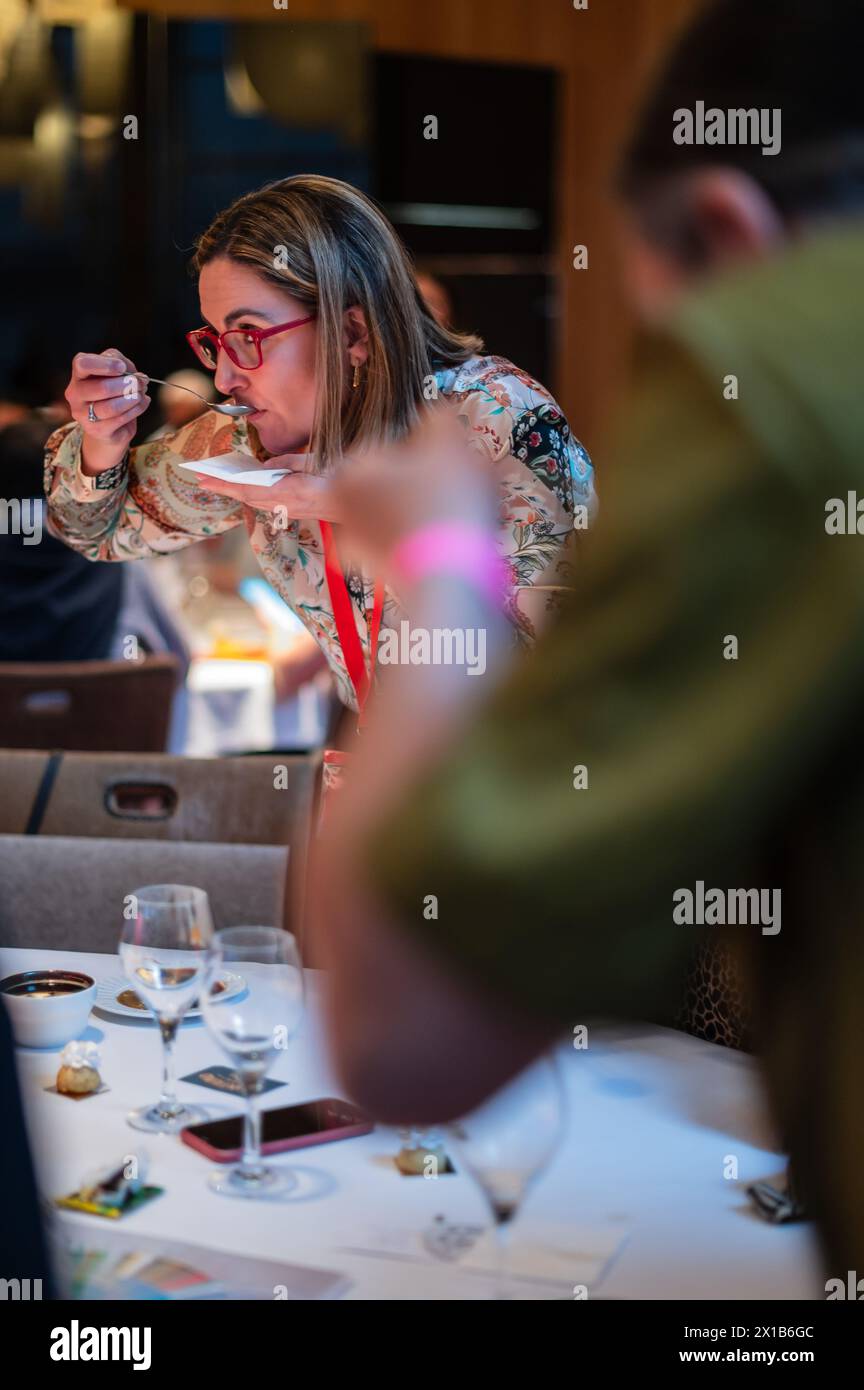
554	1255
571	1258
237	468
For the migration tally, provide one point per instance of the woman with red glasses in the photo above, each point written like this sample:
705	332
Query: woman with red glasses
314	319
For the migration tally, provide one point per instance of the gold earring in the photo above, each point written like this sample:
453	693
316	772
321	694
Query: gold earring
356	382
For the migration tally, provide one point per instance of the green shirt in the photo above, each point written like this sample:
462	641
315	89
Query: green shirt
701	766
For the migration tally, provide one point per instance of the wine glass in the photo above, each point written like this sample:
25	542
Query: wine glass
164	950
507	1142
252	1028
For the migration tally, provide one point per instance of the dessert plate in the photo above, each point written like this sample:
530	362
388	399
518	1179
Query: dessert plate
239	468
111	994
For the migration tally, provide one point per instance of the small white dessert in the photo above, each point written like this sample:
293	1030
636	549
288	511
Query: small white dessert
79	1069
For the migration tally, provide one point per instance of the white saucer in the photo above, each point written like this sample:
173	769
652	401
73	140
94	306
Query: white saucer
108	990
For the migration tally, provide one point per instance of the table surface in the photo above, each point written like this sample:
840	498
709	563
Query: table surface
654	1117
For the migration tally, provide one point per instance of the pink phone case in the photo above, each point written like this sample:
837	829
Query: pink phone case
277	1146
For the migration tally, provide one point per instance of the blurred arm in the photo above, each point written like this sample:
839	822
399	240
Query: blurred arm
554	904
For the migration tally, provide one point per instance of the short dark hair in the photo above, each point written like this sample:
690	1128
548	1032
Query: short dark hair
801	56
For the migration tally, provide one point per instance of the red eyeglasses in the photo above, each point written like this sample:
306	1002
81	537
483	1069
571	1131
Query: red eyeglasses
243	345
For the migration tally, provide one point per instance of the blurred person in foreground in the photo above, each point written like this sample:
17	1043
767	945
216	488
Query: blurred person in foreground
744	772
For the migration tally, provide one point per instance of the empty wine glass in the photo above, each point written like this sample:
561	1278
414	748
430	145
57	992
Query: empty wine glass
165	950
252	1028
507	1142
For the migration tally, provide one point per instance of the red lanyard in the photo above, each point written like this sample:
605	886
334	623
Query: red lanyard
346	627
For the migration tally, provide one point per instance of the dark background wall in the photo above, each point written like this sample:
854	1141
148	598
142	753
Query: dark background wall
531	97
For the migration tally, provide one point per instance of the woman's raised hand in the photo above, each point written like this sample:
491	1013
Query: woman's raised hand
107	381
296	496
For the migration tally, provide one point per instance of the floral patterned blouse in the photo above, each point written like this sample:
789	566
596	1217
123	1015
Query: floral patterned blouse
152	507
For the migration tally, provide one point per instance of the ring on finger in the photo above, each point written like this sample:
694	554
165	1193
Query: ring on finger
91	414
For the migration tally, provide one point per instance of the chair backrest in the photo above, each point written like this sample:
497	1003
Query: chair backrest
88	705
265	799
68	894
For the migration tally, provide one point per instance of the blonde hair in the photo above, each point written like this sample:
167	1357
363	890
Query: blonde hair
329	246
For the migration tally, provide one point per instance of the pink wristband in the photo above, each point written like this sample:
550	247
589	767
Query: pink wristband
453	547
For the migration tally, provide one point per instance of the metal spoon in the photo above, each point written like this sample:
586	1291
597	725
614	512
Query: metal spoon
221	406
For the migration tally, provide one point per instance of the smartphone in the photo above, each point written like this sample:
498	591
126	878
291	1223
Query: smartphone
292	1127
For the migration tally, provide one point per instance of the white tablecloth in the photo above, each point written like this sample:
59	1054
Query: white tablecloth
654	1116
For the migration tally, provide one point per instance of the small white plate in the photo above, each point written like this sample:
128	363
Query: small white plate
239	468
108	990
